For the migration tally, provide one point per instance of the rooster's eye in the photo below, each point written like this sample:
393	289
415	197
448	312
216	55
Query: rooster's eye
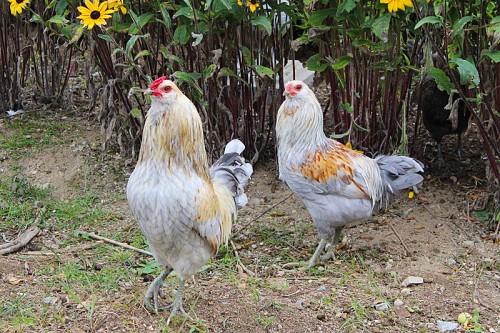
298	87
167	88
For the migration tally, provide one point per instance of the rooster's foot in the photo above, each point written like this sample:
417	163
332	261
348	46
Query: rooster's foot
319	249
151	297
176	307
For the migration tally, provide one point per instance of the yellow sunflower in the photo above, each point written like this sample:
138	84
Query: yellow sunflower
395	5
253	4
116	5
17	6
94	14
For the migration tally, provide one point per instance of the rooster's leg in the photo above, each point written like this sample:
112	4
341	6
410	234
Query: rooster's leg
154	290
177	305
319	249
332	246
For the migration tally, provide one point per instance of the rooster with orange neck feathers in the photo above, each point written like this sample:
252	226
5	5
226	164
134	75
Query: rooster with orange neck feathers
184	208
336	184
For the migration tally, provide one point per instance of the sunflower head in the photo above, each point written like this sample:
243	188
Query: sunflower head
253	4
395	5
17	6
94	13
116	5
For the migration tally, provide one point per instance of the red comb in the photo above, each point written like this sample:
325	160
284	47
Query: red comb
157	82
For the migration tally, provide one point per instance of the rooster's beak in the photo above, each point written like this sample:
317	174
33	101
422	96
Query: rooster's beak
148	91
286	93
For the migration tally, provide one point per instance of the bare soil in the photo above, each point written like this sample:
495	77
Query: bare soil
436	236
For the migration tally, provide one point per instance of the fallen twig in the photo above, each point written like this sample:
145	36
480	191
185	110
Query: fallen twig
111	241
262	214
21	241
243	267
400	239
65	250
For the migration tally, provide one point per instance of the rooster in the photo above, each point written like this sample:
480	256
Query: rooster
442	115
336	184
184	208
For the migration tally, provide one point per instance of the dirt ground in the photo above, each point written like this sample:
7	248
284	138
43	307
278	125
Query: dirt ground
436	236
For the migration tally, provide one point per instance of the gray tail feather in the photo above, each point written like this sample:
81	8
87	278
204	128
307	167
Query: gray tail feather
399	172
231	171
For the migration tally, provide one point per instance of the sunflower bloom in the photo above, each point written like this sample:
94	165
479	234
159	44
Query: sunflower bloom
94	14
17	6
253	4
395	5
116	5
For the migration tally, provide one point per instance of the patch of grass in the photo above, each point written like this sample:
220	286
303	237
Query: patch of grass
29	134
19	311
22	203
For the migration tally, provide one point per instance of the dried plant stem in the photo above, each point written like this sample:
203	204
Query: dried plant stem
111	241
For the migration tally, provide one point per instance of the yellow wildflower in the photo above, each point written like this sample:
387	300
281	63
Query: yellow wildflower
240	3
411	195
116	5
94	14
395	5
253	4
17	6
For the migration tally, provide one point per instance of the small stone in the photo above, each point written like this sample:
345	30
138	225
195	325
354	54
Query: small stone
322	288
405	291
412	280
50	300
320	268
321	316
451	262
446	326
401	312
468	243
299	305
398	302
429	280
382	306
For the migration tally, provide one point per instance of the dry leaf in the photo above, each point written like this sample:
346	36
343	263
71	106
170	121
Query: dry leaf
419	227
15	281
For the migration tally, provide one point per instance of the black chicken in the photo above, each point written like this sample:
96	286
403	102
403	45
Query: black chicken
439	119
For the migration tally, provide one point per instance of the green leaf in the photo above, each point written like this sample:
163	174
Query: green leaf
358	127
458	27
224	71
106	38
317	17
340	136
442	80
131	42
468	72
139	21
264	22
316	63
36	18
264	71
380	26
142	53
167	22
429	19
181	34
347	107
58	19
342	62
189	78
346	6
492	54
136	113
186	12
209	71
